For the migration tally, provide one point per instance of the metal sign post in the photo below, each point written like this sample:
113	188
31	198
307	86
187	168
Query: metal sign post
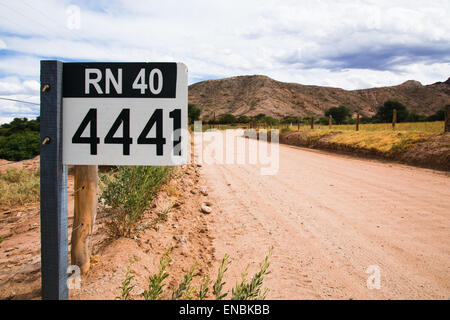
53	185
93	114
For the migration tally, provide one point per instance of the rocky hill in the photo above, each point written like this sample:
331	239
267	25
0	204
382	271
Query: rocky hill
252	95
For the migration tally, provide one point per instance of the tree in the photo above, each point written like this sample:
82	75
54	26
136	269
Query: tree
19	139
289	119
259	116
269	121
339	114
193	113
386	111
414	117
227	118
243	119
438	116
20	146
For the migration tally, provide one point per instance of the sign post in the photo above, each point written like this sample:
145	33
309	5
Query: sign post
93	114
53	185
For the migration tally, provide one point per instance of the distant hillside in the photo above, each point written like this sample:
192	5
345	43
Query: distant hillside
251	95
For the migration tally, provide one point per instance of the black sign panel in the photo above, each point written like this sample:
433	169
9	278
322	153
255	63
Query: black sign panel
119	80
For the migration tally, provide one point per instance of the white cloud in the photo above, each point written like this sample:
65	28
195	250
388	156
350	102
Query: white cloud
14	89
12	85
349	44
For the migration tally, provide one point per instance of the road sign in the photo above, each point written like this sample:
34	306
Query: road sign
124	114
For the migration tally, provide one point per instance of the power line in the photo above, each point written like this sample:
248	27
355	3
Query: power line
37	104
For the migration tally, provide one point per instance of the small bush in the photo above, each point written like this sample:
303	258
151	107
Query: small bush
19	187
20	146
243	290
286	130
126	284
127	193
252	290
155	286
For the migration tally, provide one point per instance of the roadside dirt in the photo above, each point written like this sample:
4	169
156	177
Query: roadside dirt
433	154
329	217
185	230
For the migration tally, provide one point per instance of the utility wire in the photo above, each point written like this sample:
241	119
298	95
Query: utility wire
37	104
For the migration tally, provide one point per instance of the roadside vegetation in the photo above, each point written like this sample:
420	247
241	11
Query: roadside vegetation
18	187
126	193
245	289
19	139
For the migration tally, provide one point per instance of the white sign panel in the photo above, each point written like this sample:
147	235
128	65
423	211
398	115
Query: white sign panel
125	114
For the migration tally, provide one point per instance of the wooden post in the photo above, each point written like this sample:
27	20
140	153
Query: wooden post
447	118
85	211
330	121
312	122
394	118
357	122
53	186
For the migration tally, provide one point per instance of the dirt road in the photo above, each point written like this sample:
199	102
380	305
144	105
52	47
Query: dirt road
330	217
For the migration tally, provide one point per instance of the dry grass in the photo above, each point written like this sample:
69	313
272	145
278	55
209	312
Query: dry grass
18	187
384	141
379	137
428	127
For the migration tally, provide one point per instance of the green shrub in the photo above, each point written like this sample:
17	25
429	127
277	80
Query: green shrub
19	139
252	290
438	116
324	120
386	111
243	290
155	286
286	130
126	284
127	193
339	114
193	113
227	118
20	146
218	285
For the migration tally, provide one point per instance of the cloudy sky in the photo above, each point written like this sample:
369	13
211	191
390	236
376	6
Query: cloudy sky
347	44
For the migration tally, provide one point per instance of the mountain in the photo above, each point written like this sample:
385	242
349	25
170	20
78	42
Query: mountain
252	95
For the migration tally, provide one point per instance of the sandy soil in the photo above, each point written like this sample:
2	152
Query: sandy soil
330	217
185	230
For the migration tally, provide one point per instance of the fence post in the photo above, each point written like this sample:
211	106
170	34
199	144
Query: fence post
447	118
394	118
85	211
312	122
53	178
330	121
357	122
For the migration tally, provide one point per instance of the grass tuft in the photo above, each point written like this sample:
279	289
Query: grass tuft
19	187
244	290
155	286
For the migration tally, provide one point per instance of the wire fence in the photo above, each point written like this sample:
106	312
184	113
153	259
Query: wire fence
21	101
